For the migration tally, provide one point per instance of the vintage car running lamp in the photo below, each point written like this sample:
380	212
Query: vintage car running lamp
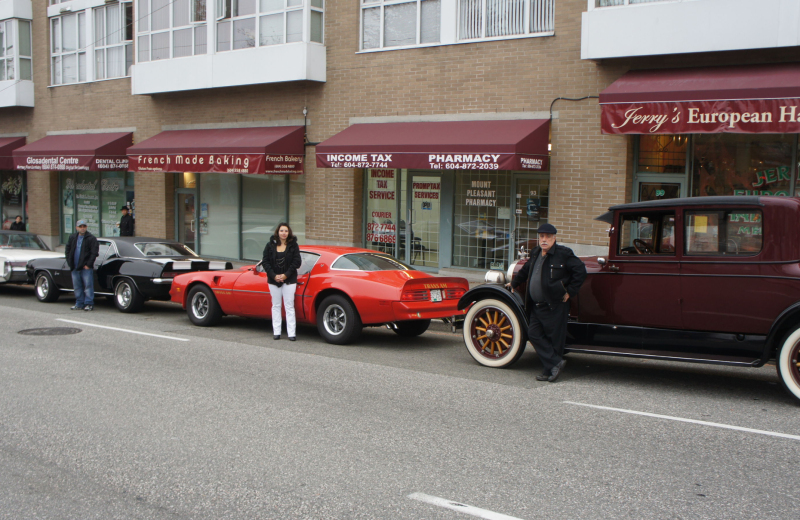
704	280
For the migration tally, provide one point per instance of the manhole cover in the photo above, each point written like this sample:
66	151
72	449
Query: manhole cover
52	331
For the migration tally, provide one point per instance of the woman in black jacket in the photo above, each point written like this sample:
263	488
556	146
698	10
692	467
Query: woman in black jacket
281	262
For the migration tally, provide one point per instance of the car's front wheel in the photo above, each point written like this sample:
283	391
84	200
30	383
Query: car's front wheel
789	363
409	329
202	306
338	320
127	297
493	334
46	290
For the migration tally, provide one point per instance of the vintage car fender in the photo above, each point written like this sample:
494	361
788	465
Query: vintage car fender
786	322
495	292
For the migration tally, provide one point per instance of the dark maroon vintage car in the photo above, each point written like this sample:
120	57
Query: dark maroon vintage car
706	279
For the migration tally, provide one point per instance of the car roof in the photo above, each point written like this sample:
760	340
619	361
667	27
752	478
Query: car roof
127	245
697	201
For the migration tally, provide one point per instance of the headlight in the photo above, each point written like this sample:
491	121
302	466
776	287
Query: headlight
498	277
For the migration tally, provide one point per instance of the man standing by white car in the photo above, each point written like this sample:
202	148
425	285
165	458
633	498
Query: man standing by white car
81	252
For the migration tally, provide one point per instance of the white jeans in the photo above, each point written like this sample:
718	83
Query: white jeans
286	293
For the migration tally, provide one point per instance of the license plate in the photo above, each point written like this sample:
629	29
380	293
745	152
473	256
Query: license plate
436	295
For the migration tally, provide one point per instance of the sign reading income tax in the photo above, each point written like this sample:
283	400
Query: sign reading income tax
438	161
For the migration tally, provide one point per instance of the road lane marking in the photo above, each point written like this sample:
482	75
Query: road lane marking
691	421
461	508
122	330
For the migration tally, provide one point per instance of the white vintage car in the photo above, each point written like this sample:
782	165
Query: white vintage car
16	249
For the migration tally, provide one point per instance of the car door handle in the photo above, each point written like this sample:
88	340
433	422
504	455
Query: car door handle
613	268
300	283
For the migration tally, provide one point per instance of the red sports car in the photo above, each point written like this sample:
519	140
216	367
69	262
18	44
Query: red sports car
341	289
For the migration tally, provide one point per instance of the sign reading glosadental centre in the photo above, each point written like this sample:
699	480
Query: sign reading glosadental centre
752	116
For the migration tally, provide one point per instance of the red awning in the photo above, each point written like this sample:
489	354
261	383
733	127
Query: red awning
7	145
442	145
750	99
94	152
275	149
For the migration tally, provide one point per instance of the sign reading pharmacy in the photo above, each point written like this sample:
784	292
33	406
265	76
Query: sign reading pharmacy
437	161
752	116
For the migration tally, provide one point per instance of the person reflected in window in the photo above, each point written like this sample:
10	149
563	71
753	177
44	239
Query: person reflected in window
281	260
18	224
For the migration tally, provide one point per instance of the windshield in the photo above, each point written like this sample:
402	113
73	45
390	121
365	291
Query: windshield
22	241
370	262
164	249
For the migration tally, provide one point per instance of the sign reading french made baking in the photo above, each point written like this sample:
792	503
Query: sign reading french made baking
437	161
757	116
217	163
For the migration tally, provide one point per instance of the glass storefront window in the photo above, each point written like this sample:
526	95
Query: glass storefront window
382	211
742	164
12	197
218	222
662	154
297	206
96	198
482	219
424	218
532	206
263	208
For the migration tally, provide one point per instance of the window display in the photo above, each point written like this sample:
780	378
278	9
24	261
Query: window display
482	220
382	221
96	198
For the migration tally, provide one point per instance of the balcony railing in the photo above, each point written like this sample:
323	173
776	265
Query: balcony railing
610	3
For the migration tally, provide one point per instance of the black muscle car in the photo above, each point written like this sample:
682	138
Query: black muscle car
130	270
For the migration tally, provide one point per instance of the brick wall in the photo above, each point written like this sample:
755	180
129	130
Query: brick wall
589	171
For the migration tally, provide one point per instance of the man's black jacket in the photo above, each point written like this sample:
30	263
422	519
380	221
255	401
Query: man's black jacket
89	251
126	226
562	272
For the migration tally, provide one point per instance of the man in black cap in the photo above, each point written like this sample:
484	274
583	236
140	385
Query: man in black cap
552	275
126	223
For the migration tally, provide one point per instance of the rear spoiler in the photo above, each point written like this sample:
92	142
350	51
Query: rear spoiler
185	266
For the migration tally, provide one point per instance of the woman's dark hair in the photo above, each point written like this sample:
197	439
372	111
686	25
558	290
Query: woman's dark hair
277	236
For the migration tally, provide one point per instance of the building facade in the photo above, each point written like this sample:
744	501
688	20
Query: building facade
441	131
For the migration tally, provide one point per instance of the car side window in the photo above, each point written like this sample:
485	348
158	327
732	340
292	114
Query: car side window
730	233
647	234
309	259
103	248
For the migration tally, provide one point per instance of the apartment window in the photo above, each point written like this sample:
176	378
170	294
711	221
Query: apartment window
478	19
171	29
15	50
245	24
68	48
399	24
113	40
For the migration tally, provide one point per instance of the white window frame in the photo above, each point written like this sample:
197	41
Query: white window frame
196	26
382	4
531	8
304	7
101	47
57	52
11	57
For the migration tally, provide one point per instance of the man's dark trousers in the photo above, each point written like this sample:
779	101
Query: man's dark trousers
549	346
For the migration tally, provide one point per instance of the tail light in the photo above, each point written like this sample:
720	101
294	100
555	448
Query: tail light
169	274
419	295
453	294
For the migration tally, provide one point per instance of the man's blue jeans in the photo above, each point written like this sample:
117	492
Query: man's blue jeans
83	283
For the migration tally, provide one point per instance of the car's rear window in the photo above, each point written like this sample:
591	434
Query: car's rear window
370	262
730	233
22	241
164	249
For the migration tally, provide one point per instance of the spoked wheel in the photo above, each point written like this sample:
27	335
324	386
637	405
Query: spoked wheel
493	334
202	306
46	290
789	363
338	320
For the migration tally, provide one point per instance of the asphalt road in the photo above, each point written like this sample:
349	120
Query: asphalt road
232	424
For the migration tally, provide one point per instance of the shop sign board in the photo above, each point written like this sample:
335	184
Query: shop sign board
70	163
218	163
434	161
748	116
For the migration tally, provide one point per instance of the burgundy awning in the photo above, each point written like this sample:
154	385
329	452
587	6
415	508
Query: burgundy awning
94	152
275	149
749	99
443	145
8	145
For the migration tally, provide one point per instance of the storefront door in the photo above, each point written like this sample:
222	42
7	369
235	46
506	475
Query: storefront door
658	187
422	229
187	221
531	202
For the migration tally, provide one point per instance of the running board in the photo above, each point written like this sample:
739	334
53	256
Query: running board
712	360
